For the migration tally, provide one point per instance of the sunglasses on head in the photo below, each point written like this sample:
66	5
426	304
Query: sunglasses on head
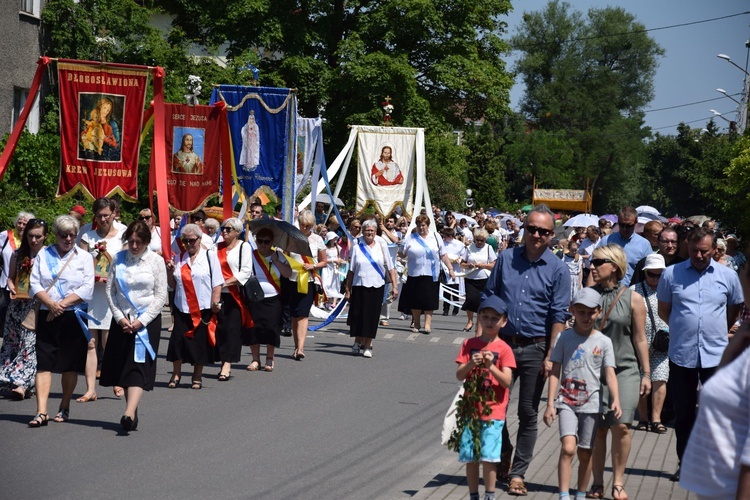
543	232
190	241
599	262
653	275
36	222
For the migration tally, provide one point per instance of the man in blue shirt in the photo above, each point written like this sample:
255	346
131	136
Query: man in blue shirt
636	246
700	300
535	285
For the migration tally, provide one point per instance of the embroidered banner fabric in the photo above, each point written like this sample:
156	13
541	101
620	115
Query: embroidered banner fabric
308	130
101	108
385	173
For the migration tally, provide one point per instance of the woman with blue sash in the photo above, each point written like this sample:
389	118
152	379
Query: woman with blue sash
136	292
421	292
62	281
365	286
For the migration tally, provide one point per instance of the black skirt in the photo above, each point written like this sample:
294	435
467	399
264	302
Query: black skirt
196	350
364	311
119	367
420	293
267	318
474	289
229	331
60	343
300	303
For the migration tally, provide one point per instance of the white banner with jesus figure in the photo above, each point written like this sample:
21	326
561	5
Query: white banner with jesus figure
385	173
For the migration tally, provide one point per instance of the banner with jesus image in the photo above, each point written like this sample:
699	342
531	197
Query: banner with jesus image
101	107
385	176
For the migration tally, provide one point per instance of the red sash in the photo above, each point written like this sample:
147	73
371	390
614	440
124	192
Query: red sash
194	305
273	280
234	290
12	240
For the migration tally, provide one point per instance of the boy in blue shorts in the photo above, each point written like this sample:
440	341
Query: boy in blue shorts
491	353
581	353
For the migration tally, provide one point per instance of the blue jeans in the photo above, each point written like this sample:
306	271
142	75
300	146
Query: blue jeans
530	383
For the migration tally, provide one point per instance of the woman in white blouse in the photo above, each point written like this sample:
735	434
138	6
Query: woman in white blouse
197	279
236	267
136	291
300	303
365	285
421	292
60	340
270	266
478	263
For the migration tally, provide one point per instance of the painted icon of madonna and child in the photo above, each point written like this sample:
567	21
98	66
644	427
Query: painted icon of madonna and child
101	117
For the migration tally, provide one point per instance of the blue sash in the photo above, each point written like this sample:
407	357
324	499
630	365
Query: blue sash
142	344
79	309
366	252
428	253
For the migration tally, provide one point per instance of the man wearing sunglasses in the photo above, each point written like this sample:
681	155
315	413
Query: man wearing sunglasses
636	246
536	287
667	243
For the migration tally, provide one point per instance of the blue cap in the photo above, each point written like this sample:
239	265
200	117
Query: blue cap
495	303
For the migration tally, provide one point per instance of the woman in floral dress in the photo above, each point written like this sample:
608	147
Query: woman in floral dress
18	354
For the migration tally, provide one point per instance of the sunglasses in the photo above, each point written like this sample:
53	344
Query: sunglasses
144	217
626	226
69	236
653	275
599	262
227	229
263	242
37	222
190	241
540	230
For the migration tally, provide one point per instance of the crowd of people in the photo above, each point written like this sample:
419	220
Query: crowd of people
91	301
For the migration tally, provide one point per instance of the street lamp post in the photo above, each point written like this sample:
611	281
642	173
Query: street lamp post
722	91
743	116
732	125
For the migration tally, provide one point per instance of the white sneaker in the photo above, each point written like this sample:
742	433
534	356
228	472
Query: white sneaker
355	348
368	353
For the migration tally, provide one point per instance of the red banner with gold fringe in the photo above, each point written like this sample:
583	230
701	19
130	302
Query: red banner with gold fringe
101	108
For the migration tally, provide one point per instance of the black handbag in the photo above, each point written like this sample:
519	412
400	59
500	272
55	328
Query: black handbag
660	342
251	291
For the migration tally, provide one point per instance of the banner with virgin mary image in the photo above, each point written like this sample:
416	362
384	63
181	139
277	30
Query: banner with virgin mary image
101	108
262	125
193	140
385	173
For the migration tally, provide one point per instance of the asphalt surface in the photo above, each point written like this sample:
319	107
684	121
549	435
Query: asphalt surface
331	426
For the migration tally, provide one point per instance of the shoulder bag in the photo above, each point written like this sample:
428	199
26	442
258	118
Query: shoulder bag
251	291
660	342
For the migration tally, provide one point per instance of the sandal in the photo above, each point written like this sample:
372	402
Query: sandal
173	382
63	415
86	399
620	490
197	385
255	365
40	420
223	377
596	491
269	365
658	428
119	391
468	328
643	426
517	488
300	355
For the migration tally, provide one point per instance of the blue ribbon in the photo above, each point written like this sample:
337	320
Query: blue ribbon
79	309
81	314
53	264
372	261
330	318
428	253
142	344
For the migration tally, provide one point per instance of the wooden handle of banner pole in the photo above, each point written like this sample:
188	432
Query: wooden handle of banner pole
100	63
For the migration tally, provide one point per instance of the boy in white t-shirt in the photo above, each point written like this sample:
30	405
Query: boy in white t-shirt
578	357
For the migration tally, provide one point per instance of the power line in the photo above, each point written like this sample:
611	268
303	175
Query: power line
690	103
678	124
645	30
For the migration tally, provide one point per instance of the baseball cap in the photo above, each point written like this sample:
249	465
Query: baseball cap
587	297
495	303
654	261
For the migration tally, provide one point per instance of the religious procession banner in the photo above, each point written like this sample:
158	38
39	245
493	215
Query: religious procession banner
193	135
308	130
262	126
101	108
385	174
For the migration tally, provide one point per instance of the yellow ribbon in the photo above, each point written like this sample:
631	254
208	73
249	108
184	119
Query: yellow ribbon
303	275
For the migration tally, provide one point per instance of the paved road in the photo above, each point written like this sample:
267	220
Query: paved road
331	426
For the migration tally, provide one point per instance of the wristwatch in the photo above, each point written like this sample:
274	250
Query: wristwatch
217	304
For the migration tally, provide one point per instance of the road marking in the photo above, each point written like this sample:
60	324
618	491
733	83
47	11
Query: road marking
458	340
388	336
412	336
434	339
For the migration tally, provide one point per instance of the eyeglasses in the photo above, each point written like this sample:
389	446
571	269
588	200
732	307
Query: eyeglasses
227	229
263	242
625	226
535	229
668	242
69	236
190	241
144	217
479	240
599	262
653	275
103	216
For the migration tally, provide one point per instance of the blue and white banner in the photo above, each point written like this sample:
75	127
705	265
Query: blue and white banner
308	130
262	125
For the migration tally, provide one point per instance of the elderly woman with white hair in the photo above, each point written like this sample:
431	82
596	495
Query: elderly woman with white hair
196	277
300	290
235	258
62	279
212	227
478	262
10	241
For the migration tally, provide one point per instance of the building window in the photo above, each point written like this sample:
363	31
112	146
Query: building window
31	7
19	101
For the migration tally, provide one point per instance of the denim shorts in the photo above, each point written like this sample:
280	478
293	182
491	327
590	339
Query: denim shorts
491	438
